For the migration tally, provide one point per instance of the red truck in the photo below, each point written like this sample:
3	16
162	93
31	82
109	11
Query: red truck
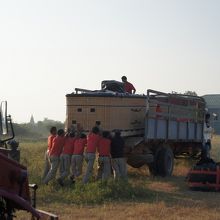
14	187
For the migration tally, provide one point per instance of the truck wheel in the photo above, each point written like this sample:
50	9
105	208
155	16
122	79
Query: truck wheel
153	169
165	161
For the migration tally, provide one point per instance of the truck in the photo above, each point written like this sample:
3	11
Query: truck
15	191
157	127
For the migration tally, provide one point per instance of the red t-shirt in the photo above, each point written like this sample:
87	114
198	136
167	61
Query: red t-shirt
92	142
104	147
79	146
69	145
57	146
158	108
128	87
50	142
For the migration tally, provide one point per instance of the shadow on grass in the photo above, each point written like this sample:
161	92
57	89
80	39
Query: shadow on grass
111	191
94	193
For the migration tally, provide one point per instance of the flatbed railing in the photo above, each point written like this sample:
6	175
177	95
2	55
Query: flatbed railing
174	117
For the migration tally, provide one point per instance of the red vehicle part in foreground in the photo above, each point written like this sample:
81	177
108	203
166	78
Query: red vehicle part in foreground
14	185
204	179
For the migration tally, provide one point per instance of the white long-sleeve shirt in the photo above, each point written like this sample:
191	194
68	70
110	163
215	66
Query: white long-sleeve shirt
207	132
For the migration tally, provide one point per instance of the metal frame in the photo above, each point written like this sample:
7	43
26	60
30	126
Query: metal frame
197	119
215	186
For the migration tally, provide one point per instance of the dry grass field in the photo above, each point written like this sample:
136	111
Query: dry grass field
142	197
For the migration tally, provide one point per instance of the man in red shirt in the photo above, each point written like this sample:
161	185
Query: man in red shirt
53	133
77	157
54	155
104	147
92	144
128	87
65	158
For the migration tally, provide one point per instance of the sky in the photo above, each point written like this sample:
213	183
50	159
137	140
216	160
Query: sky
50	47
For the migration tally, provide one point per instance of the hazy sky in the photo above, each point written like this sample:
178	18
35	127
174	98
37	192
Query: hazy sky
49	47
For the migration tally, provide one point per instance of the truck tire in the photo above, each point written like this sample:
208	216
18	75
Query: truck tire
153	167
165	162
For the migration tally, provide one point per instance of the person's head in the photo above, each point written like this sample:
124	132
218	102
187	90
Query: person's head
95	130
124	79
106	134
207	117
13	144
53	130
82	135
72	134
60	132
117	133
77	134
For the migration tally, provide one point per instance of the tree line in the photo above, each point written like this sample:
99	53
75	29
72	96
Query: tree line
38	130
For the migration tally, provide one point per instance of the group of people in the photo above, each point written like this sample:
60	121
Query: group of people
68	151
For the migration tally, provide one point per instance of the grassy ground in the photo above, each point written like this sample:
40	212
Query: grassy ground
142	197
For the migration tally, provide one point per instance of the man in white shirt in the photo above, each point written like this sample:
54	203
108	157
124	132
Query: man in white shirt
207	135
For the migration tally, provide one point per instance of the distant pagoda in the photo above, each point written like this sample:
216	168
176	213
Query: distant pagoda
32	120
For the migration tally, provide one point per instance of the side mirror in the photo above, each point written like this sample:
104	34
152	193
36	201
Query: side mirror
4	121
